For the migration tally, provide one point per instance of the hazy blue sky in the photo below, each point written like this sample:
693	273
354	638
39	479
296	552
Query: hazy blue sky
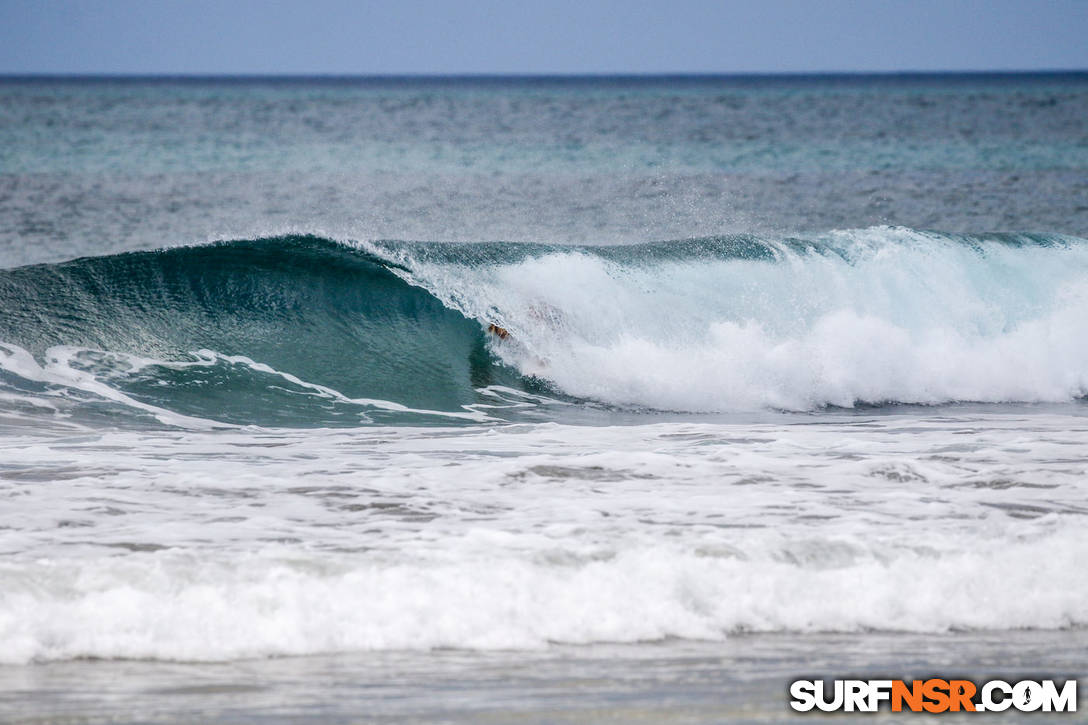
562	36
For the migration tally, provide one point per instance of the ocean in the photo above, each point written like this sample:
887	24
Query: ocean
495	399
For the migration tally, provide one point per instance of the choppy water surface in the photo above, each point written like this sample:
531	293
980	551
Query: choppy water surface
754	417
88	167
213	546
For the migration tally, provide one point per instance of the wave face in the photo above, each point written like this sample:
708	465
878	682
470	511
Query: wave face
301	330
283	331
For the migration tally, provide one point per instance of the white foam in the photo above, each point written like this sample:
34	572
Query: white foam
197	607
58	370
212	545
892	316
61	371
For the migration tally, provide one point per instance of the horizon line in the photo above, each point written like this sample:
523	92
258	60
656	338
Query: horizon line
526	75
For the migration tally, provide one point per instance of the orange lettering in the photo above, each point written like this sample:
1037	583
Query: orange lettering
936	691
911	695
961	692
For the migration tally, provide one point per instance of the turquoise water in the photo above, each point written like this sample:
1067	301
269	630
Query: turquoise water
302	331
89	166
792	383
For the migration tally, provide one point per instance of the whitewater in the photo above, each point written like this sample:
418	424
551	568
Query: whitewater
249	527
774	399
391	331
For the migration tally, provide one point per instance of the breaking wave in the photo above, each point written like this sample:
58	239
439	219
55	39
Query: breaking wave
302	331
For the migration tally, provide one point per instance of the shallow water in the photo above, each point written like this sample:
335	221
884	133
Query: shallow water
753	421
740	680
227	544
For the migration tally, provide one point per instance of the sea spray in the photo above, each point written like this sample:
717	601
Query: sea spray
365	332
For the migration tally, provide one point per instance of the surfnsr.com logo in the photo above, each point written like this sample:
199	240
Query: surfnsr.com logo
933	695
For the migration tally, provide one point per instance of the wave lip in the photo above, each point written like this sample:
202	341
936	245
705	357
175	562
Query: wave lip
302	331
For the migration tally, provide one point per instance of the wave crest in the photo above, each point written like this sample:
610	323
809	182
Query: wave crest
301	330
